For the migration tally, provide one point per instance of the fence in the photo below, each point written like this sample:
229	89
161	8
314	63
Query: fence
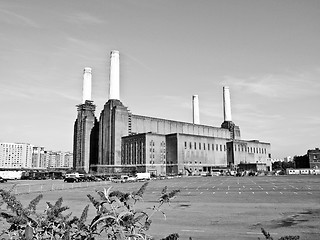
25	188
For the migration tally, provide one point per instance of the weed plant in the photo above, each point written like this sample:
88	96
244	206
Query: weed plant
116	217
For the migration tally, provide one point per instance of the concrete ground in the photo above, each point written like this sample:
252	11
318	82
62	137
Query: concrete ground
214	207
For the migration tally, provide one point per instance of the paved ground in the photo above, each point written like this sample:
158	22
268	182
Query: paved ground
237	208
217	207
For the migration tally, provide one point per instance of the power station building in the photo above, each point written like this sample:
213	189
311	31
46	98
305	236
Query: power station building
121	141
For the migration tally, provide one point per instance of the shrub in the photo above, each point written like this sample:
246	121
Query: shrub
116	217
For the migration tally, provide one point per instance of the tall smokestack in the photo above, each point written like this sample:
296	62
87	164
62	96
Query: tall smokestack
86	87
195	109
114	88
226	104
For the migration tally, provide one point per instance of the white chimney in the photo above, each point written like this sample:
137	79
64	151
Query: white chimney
226	104
195	109
114	88
86	87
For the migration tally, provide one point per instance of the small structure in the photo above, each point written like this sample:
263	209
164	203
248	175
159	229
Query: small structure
253	167
314	158
303	171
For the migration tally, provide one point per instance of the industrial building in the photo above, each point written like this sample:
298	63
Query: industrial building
121	141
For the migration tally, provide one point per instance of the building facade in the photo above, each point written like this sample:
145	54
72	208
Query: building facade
38	158
122	141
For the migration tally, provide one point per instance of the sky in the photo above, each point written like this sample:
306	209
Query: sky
267	52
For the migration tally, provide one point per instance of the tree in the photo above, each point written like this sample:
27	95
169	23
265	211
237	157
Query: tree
301	161
282	165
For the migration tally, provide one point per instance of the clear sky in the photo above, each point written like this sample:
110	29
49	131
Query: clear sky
267	52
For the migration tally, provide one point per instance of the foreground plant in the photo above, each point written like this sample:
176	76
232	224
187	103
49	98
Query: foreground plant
116	217
26	223
268	236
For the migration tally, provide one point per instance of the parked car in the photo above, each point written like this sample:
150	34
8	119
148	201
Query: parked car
131	179
71	179
116	179
2	180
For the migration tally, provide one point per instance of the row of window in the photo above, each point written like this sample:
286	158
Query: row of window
162	156
11	146
163	163
242	148
204	146
162	144
220	147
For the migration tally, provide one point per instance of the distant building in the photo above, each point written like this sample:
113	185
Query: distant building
124	142
28	156
38	158
314	158
15	155
58	160
68	160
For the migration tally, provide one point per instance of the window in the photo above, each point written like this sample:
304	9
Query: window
220	147
204	146
185	145
208	147
199	146
195	145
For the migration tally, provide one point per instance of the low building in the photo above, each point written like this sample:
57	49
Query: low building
249	152
314	158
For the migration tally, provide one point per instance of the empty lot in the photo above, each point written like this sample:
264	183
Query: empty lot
213	207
